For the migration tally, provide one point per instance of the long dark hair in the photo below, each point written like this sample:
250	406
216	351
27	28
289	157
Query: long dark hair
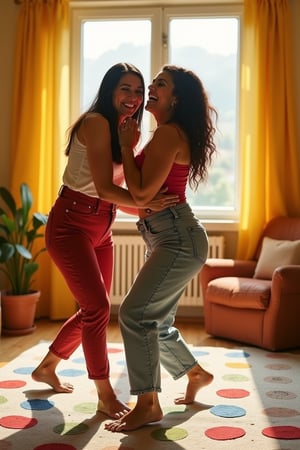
193	113
103	104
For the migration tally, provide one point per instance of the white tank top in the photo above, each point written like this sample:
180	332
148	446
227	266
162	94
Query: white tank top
77	174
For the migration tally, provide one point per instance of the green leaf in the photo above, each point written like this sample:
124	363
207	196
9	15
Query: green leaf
23	251
21	219
26	198
9	224
6	251
8	199
30	267
39	219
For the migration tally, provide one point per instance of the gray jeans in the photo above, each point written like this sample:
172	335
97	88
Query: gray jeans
177	247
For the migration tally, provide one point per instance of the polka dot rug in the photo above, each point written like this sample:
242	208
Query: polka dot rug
253	403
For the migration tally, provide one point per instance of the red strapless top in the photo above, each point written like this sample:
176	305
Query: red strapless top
177	179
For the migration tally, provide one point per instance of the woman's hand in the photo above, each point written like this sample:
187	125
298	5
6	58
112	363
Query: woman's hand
162	201
129	134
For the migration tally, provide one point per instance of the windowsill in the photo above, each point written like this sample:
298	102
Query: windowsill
129	224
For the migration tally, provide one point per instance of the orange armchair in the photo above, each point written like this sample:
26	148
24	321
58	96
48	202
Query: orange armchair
242	302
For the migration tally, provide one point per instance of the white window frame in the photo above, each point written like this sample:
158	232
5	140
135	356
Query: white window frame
81	11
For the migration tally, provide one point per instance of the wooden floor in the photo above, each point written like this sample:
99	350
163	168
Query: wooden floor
12	346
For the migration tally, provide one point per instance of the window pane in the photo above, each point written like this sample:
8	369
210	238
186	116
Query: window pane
107	42
207	43
209	46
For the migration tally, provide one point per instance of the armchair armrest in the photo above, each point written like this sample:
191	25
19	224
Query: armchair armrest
281	321
286	280
225	267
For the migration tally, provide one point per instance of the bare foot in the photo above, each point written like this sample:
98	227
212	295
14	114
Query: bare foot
198	378
46	375
136	418
114	409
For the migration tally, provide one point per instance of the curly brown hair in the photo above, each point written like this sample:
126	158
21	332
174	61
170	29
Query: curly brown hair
194	114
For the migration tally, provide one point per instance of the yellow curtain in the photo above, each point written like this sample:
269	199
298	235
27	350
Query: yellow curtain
39	121
270	162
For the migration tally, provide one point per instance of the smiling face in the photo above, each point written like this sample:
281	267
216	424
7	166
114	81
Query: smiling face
161	99
128	95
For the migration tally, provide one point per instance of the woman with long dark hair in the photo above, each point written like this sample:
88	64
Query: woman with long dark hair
78	232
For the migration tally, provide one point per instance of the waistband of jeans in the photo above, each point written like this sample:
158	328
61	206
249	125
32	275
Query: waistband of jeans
94	203
173	211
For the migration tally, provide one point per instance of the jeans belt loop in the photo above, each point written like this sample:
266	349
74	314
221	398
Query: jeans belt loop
142	225
174	212
97	205
60	191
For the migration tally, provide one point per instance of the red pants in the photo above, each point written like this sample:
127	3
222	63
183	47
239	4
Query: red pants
79	240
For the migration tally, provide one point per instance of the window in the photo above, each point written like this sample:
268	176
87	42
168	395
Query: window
203	38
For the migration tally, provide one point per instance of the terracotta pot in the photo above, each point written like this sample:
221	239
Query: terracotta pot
18	313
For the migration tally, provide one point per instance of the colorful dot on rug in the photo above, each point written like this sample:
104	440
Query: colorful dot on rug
37	404
131	405
281	395
233	393
55	446
24	370
228	411
225	433
80	360
3	400
169	434
277	355
71	373
238	365
17	422
278	380
281	412
174	409
70	428
282	432
119	447
121	362
86	408
114	350
237	354
12	384
278	366
198	353
237	378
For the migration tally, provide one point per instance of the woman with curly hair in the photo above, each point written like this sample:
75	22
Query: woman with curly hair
179	152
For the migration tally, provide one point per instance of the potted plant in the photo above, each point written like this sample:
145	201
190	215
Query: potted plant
19	229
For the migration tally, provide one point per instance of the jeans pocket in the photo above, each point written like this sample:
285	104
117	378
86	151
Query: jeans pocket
199	242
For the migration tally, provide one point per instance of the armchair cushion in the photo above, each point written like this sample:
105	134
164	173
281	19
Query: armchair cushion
275	253
238	292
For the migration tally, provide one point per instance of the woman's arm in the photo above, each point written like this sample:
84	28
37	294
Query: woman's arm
95	134
160	154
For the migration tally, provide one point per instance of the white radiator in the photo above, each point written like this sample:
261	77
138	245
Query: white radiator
129	257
